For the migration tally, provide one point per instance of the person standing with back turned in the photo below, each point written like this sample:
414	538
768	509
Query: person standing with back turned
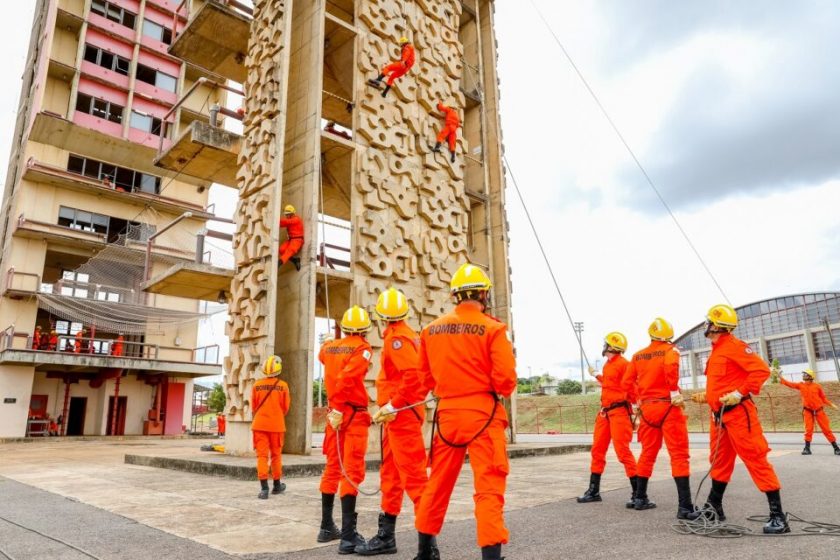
467	361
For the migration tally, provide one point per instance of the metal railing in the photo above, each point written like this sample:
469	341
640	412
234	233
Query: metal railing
331	262
212	113
12	285
206	354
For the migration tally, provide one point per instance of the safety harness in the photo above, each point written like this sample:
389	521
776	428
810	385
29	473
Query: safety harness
658	425
605	410
436	426
718	416
262	402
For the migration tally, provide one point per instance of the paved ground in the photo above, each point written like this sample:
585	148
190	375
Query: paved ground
129	512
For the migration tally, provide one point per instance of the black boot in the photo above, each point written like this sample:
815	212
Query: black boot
777	524
641	502
685	509
350	538
632	501
436	149
263	495
452	157
427	547
836	447
493	552
384	542
807	450
279	487
715	499
593	493
385	91
379	78
329	532
296	262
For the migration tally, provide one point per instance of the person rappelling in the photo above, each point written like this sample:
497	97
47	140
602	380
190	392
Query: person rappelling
294	228
396	69
449	132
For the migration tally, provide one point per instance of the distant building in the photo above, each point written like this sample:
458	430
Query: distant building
100	98
790	329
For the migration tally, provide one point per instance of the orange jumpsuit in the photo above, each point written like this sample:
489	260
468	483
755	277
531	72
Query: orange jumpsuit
346	363
466	359
36	340
270	398
403	452
613	422
118	346
655	371
734	366
399	69
813	401
449	131
292	245
77	345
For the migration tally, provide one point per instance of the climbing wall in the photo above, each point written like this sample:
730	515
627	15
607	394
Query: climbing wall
250	326
411	210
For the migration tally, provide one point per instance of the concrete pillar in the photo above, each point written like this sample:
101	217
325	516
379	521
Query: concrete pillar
810	350
762	349
692	368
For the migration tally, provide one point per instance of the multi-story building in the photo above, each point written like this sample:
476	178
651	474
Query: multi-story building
88	218
799	331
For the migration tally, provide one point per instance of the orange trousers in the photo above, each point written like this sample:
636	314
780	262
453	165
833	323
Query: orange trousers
617	427
489	463
289	249
403	468
658	421
822	419
266	443
742	435
449	133
395	70
353	439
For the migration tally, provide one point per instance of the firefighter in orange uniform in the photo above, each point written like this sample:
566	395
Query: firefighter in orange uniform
397	69
270	402
294	227
655	372
79	341
398	385
813	402
614	422
36	338
346	362
449	132
467	360
118	345
734	373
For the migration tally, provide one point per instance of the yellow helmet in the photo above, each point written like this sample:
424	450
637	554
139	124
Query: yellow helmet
723	315
392	305
661	329
810	373
289	209
403	40
355	320
469	277
616	341
273	366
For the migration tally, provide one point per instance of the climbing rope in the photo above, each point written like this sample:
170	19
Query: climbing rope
630	151
381	454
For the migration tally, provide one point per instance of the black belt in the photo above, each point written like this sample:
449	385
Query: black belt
620	404
812	410
295	238
724	409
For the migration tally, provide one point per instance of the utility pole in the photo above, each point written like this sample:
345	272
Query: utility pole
833	348
579	331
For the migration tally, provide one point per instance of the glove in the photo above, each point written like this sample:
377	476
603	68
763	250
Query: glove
592	371
334	417
699	398
731	399
832	405
385	414
677	399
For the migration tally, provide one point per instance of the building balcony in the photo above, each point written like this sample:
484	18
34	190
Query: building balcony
216	38
87	240
53	129
193	281
38	172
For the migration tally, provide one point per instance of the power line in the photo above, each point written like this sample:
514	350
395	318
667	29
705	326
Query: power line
630	151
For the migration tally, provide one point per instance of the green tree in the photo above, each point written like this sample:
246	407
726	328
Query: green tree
775	371
216	401
569	387
315	387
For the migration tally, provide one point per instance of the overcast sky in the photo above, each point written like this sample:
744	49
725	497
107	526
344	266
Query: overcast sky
731	106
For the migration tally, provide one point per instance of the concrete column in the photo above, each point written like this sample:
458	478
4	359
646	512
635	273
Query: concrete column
692	368
762	349
810	350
